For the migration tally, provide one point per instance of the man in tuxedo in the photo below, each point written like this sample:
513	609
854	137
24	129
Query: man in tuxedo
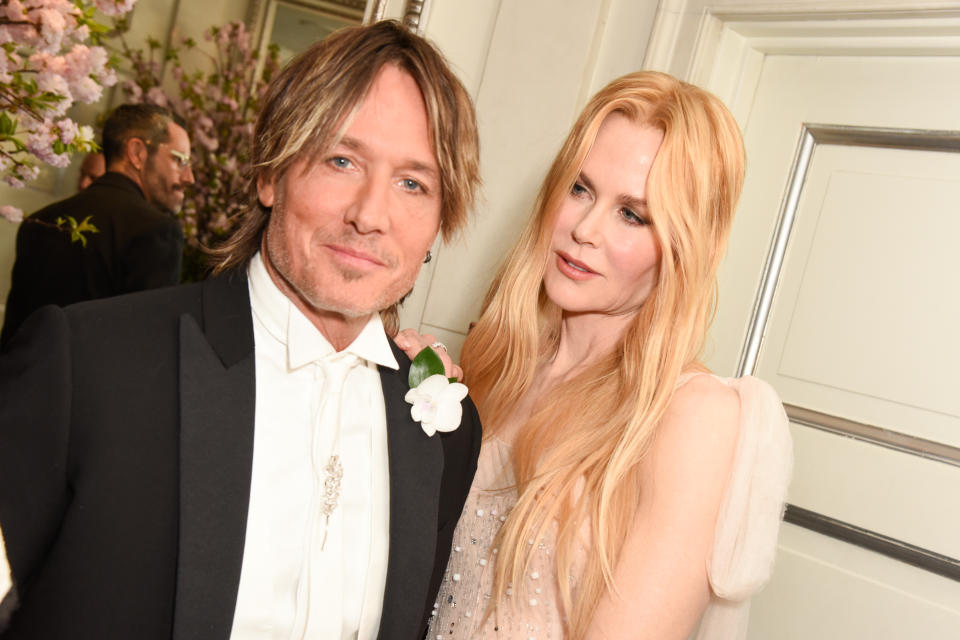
234	458
138	244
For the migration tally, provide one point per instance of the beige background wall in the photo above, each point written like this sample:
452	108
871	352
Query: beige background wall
531	65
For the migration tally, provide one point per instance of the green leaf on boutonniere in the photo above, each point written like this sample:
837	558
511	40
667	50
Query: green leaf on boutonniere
426	364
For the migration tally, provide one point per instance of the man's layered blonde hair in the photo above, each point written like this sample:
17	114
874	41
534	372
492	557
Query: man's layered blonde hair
309	104
576	459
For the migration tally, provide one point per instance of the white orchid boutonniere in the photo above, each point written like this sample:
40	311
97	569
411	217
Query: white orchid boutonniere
435	398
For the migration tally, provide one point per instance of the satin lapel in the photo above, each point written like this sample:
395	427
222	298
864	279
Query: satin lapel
416	468
217	394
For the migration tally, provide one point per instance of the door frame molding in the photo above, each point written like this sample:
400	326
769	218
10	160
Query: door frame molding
730	44
731	40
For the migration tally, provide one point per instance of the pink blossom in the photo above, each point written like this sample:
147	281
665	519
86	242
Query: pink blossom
50	25
56	84
40	144
77	62
14	10
28	172
13	181
11	213
68	130
155	95
133	90
243	38
107	77
81	33
115	7
86	90
51	22
42	61
98	58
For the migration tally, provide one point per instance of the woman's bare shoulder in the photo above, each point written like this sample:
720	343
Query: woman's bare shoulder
698	433
703	402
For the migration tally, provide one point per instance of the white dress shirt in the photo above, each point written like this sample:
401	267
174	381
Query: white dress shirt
289	588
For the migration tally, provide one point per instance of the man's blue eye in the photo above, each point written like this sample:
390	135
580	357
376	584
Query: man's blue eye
411	185
340	162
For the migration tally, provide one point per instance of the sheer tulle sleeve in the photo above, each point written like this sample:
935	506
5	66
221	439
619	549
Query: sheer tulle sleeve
745	542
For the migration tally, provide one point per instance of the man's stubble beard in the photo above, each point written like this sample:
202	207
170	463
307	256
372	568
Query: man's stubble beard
313	292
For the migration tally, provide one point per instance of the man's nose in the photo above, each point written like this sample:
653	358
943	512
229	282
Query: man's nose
186	175
369	211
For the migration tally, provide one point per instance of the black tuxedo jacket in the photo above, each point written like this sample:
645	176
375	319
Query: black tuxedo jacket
137	248
126	443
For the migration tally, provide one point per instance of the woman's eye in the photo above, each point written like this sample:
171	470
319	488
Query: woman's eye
578	189
632	217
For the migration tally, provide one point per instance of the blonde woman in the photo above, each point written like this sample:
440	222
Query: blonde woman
622	490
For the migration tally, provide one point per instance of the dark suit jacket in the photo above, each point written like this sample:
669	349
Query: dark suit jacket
126	443
137	247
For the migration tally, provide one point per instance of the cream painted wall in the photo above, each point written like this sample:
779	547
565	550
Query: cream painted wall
530	65
160	19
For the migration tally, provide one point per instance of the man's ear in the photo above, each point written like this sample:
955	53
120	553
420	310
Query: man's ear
135	152
266	190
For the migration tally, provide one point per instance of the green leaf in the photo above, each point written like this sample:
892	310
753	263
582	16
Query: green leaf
426	364
7	125
78	229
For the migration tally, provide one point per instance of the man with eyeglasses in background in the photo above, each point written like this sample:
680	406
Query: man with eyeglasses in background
138	243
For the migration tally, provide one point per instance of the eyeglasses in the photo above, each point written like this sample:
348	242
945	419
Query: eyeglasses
183	159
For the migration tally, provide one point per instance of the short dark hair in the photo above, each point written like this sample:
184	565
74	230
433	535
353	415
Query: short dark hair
307	102
147	121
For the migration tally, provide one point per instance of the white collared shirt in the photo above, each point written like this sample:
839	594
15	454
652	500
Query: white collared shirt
345	600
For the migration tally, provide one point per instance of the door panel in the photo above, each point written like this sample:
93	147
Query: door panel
823	589
862	327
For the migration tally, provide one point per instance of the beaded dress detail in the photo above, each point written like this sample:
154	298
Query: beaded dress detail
466	588
741	561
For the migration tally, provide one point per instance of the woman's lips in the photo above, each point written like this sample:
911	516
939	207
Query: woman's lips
574	269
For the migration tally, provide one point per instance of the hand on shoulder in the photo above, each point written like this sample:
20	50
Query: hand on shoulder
412	342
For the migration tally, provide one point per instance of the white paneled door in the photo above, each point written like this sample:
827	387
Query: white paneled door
842	289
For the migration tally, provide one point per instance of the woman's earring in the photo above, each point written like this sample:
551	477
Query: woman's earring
428	258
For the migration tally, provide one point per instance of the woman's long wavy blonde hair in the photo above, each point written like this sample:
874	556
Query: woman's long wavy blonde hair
596	428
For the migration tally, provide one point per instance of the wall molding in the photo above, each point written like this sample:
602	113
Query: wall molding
929	449
865	539
812	135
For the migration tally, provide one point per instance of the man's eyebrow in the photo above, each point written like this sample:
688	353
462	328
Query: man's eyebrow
352	143
410	164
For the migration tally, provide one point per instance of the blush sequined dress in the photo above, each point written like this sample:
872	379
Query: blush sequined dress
740	563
